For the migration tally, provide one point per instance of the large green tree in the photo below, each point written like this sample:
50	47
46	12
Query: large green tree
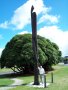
18	53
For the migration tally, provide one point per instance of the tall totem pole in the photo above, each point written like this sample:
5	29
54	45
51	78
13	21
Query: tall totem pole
34	45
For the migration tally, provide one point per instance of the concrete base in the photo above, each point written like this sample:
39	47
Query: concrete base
39	86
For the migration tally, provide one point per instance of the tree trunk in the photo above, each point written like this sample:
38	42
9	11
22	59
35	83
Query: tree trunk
34	45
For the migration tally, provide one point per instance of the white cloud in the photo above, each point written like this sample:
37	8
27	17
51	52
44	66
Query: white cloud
1	49
4	25
49	19
21	16
24	32
55	34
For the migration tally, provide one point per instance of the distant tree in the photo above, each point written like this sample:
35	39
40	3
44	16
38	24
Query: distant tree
18	53
0	62
65	60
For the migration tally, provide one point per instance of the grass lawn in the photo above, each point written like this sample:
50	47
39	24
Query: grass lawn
5	70
60	80
5	82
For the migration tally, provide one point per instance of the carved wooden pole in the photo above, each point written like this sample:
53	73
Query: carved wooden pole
34	45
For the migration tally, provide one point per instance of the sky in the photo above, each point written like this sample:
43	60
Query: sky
52	20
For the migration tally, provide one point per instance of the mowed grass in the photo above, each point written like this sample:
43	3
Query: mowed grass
60	80
5	82
5	70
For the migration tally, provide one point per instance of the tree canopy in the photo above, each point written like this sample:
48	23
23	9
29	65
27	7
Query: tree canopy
18	53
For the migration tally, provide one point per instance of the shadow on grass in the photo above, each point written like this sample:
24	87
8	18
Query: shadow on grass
24	84
10	75
13	75
3	85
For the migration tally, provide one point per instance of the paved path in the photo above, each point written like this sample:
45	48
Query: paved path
17	82
6	73
20	82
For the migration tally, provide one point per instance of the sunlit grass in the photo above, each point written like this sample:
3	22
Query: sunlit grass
60	80
5	70
60	75
5	82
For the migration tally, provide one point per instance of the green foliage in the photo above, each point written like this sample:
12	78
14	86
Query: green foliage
18	53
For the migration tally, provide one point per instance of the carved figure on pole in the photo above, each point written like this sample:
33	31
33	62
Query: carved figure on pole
34	45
